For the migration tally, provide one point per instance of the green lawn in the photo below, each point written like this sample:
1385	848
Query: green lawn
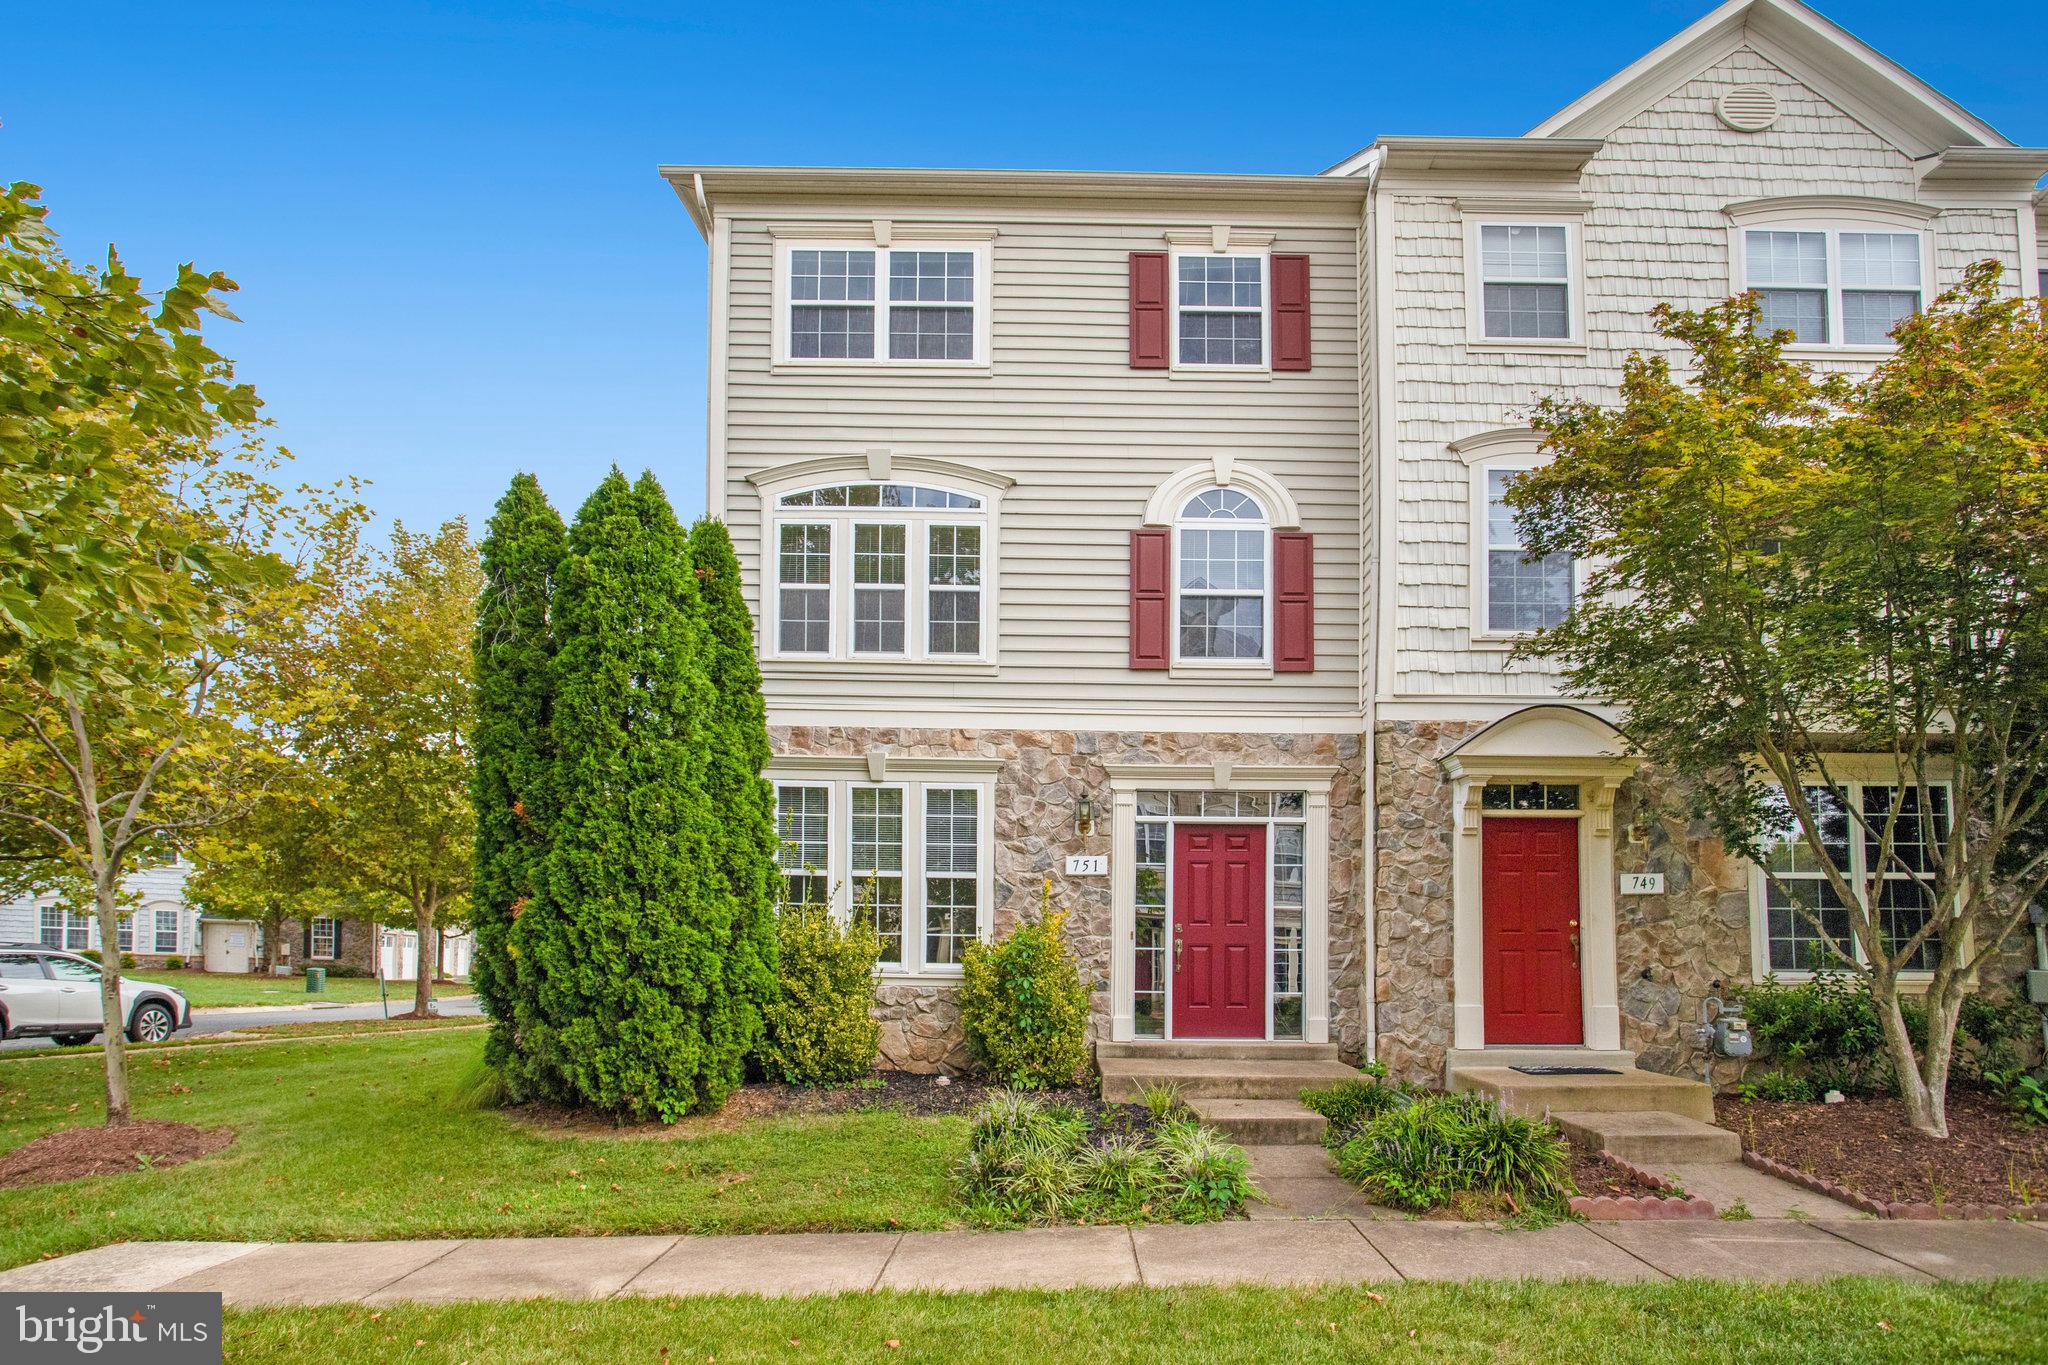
356	1138
1860	1320
207	990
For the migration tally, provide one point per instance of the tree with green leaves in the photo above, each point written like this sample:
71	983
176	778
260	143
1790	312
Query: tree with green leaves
624	1001
514	777
745	839
270	863
1791	573
150	564
389	729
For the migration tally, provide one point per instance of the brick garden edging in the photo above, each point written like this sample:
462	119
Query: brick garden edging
1629	1208
1879	1208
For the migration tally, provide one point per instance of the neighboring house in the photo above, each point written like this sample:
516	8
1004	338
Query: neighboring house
160	926
1141	533
239	945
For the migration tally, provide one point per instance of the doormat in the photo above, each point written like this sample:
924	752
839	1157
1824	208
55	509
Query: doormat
1565	1070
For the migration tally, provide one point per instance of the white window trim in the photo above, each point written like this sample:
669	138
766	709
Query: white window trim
914	776
1833	215
1262	666
1235	246
828	869
156	914
983	303
1572	222
1512	451
880	466
1852	773
313	953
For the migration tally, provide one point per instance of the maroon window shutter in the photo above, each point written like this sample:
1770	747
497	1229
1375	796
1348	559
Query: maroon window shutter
1151	599
1290	313
1294	602
1148	311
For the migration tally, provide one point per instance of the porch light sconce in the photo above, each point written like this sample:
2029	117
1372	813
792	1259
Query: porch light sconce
1084	815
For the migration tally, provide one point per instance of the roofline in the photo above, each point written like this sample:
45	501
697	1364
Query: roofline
1560	155
1735	16
837	181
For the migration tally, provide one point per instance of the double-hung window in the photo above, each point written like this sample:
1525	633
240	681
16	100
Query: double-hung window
910	858
68	930
326	934
1219	311
1220	572
1793	889
1828	285
848	302
880	571
1521	594
166	932
1525	282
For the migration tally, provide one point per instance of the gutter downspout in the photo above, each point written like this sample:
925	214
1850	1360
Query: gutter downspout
1369	477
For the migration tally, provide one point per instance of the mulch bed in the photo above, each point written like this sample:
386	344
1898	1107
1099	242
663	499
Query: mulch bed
1596	1175
1867	1145
77	1152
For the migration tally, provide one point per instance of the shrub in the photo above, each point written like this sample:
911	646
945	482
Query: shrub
174	964
821	1029
342	971
1023	1004
1777	1087
1825	1029
1350	1105
127	962
1443	1147
1996	1035
89	954
1030	1162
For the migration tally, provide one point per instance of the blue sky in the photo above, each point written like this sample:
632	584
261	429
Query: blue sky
456	258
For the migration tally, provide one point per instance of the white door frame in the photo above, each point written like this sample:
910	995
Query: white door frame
1126	780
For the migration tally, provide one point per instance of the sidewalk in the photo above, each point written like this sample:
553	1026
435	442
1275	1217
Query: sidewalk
1306	1251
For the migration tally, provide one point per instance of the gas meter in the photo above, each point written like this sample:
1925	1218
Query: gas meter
1731	1032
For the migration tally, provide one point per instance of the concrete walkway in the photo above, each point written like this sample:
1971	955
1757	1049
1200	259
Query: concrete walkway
1305	1251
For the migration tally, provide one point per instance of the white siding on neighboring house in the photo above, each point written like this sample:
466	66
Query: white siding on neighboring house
155	889
1086	438
1655	231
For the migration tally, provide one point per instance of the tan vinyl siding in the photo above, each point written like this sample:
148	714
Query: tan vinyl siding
1656	232
1087	440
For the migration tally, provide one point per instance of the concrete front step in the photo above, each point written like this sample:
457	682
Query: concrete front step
1629	1091
1220	1049
1651	1139
1261	1123
1124	1079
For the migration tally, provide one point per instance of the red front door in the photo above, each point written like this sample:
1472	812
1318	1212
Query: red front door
1530	884
1219	931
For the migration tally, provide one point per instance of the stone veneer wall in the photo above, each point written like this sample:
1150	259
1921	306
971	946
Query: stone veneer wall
1044	775
1672	951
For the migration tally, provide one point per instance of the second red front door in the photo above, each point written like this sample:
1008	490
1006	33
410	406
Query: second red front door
1530	887
1219	931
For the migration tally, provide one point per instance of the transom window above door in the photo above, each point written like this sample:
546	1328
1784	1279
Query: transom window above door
1835	286
852	303
880	570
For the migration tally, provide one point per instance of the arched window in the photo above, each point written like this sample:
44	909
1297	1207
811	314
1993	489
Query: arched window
880	570
1221	552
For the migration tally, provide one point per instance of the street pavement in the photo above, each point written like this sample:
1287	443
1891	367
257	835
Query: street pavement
222	1020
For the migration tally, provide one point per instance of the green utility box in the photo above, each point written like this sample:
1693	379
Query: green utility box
316	979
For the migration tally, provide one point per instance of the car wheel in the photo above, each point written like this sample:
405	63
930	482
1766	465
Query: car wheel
73	1039
152	1024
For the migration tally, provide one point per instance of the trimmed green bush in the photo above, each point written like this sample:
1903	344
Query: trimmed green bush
174	964
1030	1162
1777	1087
624	1000
512	784
1826	1030
127	962
744	839
1443	1149
820	1028
89	954
1023	1004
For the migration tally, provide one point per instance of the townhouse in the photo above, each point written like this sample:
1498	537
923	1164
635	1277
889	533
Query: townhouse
1137	539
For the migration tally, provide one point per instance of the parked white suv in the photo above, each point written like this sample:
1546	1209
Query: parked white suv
48	994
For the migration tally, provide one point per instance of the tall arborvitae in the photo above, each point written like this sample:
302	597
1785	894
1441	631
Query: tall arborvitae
513	779
626	936
747	840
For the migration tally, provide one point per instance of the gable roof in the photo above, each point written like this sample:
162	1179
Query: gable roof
1864	82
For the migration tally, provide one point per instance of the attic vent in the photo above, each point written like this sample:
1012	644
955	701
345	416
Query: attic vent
1748	108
